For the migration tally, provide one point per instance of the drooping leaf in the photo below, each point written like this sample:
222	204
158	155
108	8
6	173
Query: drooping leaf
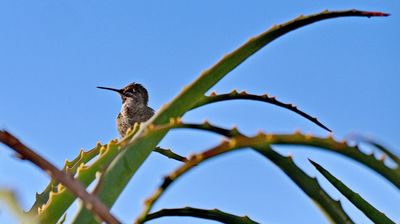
310	186
234	95
370	211
214	214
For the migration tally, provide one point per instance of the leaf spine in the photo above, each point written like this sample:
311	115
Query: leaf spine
213	93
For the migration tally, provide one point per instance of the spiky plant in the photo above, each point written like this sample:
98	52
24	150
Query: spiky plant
117	162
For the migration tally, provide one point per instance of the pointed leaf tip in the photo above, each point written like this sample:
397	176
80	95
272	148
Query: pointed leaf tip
330	132
375	13
316	165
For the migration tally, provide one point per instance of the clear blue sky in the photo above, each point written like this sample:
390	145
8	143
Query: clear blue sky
345	71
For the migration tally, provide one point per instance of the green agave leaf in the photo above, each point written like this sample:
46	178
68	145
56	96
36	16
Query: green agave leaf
170	154
234	95
370	211
60	200
56	200
297	138
70	167
261	143
342	148
384	149
331	208
215	215
129	160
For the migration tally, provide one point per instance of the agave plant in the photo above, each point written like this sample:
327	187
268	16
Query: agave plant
115	163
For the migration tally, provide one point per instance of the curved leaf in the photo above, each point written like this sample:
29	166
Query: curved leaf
370	211
234	95
309	185
215	215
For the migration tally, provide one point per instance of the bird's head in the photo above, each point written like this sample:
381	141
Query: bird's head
134	91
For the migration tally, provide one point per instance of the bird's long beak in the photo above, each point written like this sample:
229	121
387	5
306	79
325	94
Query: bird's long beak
112	89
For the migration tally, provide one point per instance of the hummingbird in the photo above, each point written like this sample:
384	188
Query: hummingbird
134	106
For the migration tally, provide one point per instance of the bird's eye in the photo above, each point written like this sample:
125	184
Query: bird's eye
133	91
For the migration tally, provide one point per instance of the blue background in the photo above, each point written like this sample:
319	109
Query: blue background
344	71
